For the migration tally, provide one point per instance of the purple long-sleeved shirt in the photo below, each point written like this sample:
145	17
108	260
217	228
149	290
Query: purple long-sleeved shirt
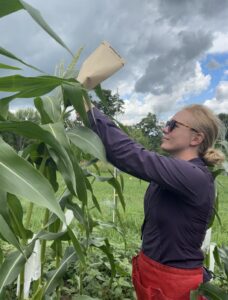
179	200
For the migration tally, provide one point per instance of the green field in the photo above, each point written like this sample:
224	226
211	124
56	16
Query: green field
97	274
132	218
134	190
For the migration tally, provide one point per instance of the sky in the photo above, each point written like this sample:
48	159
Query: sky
176	51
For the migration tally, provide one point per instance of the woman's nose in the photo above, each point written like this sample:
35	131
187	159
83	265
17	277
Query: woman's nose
165	129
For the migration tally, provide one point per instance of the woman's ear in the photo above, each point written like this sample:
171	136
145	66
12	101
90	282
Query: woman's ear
197	138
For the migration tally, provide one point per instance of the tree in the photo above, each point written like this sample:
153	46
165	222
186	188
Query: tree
137	135
152	130
19	142
224	118
112	104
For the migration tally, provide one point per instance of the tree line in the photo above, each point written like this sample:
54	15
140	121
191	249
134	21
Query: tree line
147	132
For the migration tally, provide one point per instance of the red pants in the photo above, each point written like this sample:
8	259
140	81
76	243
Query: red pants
154	281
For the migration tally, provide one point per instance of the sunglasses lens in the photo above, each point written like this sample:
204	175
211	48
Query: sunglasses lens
171	125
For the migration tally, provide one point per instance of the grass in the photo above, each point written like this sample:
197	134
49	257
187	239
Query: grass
134	191
132	218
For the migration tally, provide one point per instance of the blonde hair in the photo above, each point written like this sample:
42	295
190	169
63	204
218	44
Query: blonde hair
205	121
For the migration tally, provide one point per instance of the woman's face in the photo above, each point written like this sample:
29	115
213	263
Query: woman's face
180	135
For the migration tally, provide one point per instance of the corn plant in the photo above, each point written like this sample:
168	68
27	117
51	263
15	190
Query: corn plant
32	175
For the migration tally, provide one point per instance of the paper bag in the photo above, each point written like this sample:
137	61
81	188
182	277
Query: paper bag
100	65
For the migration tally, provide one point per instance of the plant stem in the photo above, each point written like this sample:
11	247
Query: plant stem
58	246
80	280
21	286
43	243
29	215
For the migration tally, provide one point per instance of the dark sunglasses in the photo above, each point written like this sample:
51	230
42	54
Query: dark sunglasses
172	124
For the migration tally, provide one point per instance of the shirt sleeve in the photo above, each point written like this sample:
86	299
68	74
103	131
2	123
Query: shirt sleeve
177	175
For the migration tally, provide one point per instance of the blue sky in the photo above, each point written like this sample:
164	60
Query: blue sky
176	52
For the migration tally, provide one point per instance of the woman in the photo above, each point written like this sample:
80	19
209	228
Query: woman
178	203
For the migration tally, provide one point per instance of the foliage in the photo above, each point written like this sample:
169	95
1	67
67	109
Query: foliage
147	132
96	279
224	118
137	135
31	175
111	105
19	142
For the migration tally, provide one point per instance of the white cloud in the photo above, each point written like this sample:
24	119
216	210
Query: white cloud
219	104
138	105
161	40
220	43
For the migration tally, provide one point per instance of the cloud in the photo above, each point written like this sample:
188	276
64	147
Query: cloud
165	105
219	104
162	42
220	43
166	71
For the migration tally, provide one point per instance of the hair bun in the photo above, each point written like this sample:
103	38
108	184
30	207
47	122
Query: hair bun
213	157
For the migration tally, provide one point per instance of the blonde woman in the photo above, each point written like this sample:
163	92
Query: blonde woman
178	203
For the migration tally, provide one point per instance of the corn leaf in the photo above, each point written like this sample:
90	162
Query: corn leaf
73	93
9	6
55	276
18	177
8	234
35	14
12	266
4	66
8	54
88	141
57	152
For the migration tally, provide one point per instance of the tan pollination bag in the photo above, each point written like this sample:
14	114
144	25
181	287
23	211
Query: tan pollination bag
100	65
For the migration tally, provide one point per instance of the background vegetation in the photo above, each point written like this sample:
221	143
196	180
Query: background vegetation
84	216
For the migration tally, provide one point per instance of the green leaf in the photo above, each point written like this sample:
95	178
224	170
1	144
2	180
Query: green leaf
59	133
217	257
51	236
35	14
8	234
114	182
4	210
77	211
18	177
95	202
194	295
56	276
9	6
50	108
212	291
3	66
73	93
39	104
88	141
12	266
29	86
6	53
16	217
57	152
104	245
100	94
77	245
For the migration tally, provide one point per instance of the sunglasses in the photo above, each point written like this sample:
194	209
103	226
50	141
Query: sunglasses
172	124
